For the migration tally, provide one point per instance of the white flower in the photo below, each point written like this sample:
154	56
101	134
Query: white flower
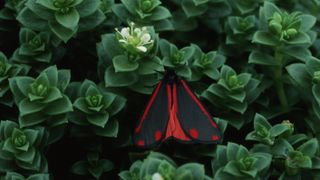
138	38
157	176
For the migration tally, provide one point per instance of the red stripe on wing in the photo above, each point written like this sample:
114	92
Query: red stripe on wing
198	103
145	113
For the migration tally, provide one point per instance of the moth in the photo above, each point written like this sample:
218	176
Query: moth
175	112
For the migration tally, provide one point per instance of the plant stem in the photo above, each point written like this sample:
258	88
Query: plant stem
277	77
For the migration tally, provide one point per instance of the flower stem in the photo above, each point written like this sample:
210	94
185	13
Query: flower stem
277	77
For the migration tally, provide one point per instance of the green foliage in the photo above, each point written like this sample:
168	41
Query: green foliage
158	166
95	108
21	147
92	165
42	99
62	17
75	76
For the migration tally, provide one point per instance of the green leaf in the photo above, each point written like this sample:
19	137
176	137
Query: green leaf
26	35
301	53
184	71
262	59
27	156
90	22
307	22
28	107
232	168
69	20
47	3
53	95
80	168
39	177
309	148
9	146
121	63
264	38
260	120
63	33
88	7
196	170
40	10
99	119
60	106
160	13
279	129
32	21
110	130
150	66
192	10
301	38
316	92
23	83
114	79
300	74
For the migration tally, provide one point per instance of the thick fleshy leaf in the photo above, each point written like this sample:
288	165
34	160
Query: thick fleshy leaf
159	13
309	148
122	64
31	20
88	7
62	32
150	66
31	119
316	93
265	38
47	3
110	130
80	168
299	74
60	106
29	107
27	156
262	59
9	146
54	94
114	79
69	20
81	104
99	119
23	84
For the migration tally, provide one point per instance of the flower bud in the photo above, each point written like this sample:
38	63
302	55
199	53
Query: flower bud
277	17
290	130
39	89
275	26
292	32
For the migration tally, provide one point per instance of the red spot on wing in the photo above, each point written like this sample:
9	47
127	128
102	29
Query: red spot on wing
141	143
193	133
214	137
157	135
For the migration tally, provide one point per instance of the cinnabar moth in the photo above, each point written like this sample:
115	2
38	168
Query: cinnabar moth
174	112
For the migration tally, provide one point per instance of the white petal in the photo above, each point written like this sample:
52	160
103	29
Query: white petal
125	32
145	38
142	48
123	41
156	176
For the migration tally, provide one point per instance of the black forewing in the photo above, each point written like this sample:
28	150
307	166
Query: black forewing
151	128
194	118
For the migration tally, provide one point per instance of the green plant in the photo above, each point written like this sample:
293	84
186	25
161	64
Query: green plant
75	76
